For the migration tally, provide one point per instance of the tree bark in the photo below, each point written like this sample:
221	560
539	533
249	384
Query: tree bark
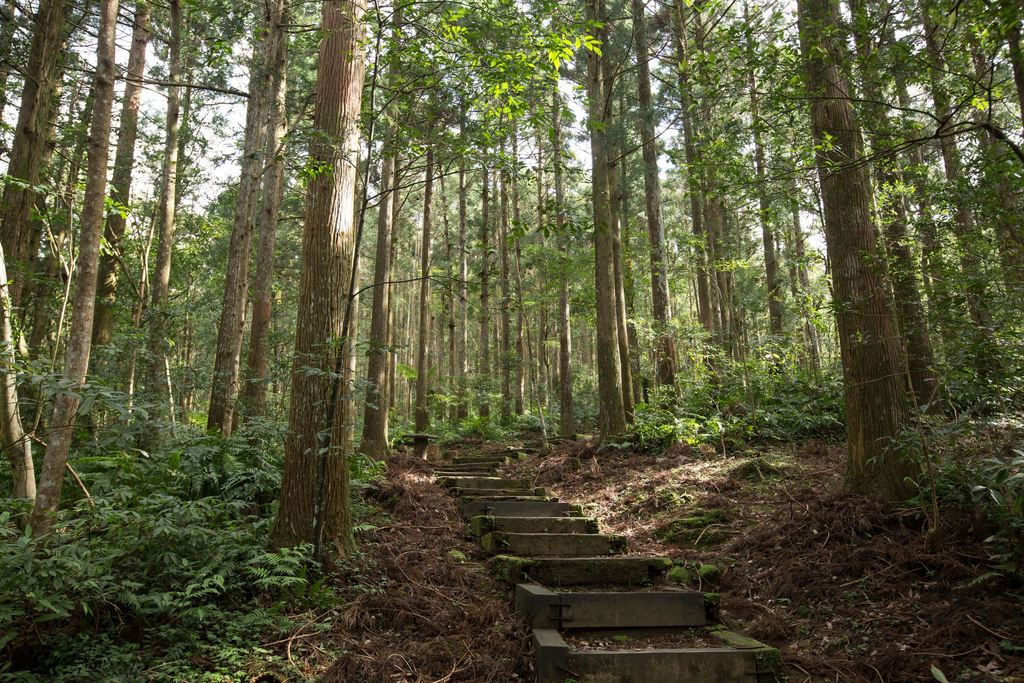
315	489
874	384
121	182
76	364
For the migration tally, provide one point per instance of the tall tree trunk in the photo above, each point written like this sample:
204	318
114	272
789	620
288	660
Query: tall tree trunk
801	283
875	389
393	303
161	284
76	364
53	269
621	319
771	261
997	171
18	233
566	417
519	359
450	326
230	331
374	441
422	367
16	443
893	216
315	489
541	386
695	185
612	414
504	321
8	26
665	352
121	182
461	409
254	393
483	368
1016	55
964	227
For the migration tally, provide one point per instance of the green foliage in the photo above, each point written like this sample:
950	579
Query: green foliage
165	568
480	427
994	488
769	408
1000	491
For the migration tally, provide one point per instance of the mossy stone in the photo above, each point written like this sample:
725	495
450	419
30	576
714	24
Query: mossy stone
709	572
693	529
679	574
457	555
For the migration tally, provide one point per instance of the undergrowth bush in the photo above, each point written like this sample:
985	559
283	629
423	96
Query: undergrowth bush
162	574
772	409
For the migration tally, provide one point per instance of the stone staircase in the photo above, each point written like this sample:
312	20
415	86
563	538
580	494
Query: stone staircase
598	614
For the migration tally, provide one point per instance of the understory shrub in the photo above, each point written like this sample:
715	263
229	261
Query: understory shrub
163	573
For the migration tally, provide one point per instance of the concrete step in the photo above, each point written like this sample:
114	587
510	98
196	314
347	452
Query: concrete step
552	545
457	473
518	508
464	499
627	570
491	493
466	470
484	524
476	459
727	664
545	608
474	482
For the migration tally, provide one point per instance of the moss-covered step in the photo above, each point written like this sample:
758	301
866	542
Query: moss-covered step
546	608
623	570
552	545
473	482
484	524
768	659
474	507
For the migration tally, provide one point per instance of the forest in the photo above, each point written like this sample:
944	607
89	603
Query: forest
739	279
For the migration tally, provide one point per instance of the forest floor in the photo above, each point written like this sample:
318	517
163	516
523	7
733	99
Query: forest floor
848	589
